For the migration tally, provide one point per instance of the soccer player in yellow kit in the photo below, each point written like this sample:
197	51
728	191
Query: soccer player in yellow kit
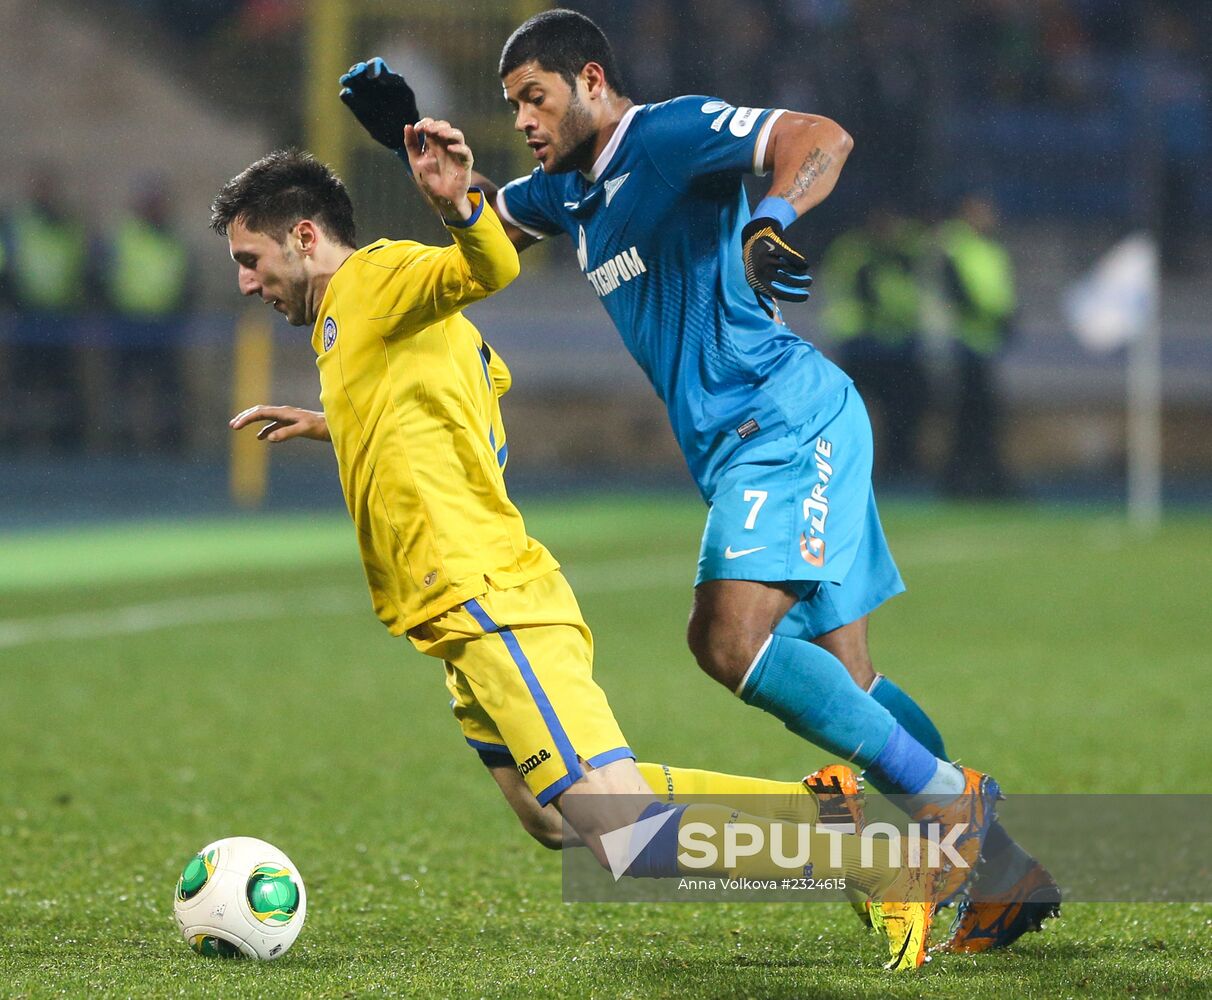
410	393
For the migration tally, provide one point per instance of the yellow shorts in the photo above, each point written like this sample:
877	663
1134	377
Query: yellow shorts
519	665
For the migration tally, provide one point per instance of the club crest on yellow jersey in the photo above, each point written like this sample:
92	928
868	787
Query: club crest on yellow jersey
330	333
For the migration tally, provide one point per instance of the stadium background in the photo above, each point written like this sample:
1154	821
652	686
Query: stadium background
1084	119
177	665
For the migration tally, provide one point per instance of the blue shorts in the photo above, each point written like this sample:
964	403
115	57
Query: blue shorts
798	509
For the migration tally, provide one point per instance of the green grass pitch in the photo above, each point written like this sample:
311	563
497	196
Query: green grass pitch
168	684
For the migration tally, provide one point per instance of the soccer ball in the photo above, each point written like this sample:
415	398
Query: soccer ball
240	898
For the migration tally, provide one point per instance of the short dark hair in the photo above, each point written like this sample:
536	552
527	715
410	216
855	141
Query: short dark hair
561	41
274	193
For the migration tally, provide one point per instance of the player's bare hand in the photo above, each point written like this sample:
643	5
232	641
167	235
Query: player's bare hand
283	423
441	164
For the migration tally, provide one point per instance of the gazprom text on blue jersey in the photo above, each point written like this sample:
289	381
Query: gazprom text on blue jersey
621	267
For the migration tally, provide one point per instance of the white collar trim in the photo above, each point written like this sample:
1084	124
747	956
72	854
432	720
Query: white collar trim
607	154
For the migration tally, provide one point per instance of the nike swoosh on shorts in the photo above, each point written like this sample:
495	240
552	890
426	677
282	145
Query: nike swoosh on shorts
729	554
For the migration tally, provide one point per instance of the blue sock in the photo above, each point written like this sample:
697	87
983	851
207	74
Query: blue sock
812	694
904	766
909	714
659	857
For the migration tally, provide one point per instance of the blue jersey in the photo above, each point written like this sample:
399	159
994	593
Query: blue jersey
657	228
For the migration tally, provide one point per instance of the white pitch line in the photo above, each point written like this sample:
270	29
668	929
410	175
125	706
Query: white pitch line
132	619
615	576
151	616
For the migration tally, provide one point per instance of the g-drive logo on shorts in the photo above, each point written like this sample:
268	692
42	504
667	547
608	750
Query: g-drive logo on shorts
816	507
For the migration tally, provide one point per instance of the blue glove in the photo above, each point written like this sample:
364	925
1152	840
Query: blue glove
382	101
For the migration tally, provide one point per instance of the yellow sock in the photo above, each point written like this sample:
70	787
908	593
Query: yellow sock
792	840
783	800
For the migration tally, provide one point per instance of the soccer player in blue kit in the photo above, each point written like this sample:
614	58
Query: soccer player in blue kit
793	557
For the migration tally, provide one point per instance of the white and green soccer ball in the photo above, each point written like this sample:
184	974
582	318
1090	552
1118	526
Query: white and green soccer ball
240	898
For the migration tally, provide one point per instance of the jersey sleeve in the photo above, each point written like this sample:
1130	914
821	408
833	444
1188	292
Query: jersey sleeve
529	204
423	285
692	137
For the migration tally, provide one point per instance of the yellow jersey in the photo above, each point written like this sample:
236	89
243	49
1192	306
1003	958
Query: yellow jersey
411	395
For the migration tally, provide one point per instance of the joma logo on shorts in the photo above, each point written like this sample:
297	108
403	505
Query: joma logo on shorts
533	761
816	507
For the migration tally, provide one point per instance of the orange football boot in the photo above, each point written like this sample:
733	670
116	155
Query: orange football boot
975	809
839	793
984	924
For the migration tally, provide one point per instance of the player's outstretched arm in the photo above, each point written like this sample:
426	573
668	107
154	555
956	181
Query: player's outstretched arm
483	260
384	104
441	164
382	101
520	240
283	423
805	154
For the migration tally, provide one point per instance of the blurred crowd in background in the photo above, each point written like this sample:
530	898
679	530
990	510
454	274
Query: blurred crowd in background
893	282
1038	101
972	121
93	322
100	317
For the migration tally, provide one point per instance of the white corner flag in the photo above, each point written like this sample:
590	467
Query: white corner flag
1116	302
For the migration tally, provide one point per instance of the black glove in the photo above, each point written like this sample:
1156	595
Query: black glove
773	268
382	101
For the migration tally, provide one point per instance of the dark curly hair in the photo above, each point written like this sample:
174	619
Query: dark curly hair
274	193
561	41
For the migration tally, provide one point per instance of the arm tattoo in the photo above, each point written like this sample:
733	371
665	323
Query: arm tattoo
817	163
